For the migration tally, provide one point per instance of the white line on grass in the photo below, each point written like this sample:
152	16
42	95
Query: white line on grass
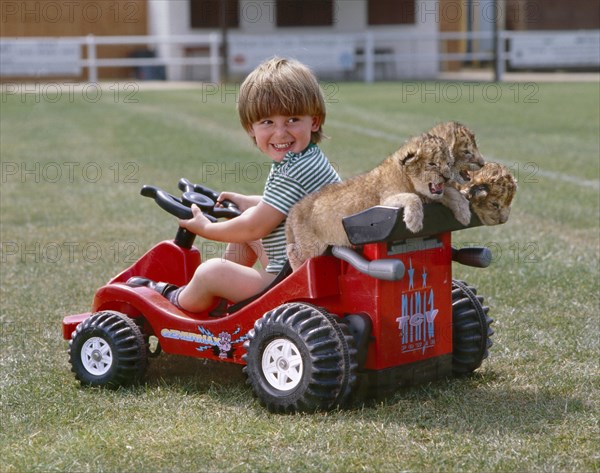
593	184
557	176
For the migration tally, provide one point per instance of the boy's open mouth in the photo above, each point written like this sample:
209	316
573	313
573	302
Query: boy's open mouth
281	146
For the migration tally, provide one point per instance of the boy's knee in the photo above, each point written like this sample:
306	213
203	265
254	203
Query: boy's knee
208	269
211	266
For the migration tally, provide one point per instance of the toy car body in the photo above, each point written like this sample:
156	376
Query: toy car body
353	323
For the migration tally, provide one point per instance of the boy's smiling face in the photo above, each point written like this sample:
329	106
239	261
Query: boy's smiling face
279	134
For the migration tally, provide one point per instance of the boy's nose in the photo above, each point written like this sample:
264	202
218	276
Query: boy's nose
281	131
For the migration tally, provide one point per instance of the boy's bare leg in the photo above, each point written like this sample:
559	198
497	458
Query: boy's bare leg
246	254
222	278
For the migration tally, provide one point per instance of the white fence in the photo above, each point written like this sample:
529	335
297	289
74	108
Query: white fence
519	49
44	54
397	54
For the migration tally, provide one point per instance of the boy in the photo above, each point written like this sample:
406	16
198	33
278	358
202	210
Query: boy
282	108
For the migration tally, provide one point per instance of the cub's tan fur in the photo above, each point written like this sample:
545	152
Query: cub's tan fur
467	158
491	191
419	169
463	146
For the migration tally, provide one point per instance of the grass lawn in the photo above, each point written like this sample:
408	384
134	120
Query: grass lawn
71	217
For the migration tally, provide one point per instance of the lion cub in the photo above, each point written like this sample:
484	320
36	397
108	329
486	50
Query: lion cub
491	191
467	158
463	147
419	169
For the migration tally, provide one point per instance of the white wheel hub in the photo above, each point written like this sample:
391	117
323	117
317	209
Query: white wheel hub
96	356
282	364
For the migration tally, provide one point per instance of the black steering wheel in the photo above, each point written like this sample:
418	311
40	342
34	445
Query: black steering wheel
202	196
197	194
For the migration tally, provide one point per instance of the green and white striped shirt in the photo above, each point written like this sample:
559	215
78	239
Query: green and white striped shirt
296	176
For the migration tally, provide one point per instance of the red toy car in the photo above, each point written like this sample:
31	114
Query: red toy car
357	322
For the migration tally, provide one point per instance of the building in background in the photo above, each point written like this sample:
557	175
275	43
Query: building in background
69	18
328	35
342	39
543	34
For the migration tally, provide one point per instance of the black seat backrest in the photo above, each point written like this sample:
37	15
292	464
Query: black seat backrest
381	223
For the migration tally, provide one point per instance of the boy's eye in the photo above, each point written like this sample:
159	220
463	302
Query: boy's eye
292	120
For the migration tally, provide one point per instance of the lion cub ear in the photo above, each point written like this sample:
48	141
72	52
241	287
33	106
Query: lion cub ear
409	156
479	191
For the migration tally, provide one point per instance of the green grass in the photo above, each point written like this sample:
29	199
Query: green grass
72	218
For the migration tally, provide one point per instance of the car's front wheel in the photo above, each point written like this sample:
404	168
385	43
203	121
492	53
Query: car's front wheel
108	349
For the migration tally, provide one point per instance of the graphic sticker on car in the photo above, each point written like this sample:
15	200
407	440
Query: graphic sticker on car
417	317
222	344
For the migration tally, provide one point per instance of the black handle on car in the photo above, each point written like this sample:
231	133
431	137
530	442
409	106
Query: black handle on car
475	256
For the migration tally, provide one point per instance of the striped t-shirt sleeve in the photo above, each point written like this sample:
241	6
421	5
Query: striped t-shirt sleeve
297	178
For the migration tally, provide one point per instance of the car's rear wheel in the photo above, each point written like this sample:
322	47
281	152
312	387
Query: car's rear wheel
299	358
471	329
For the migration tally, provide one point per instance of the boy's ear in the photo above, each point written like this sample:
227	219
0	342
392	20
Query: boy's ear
316	123
251	134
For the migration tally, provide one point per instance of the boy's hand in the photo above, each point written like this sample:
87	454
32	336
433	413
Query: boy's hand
197	223
243	202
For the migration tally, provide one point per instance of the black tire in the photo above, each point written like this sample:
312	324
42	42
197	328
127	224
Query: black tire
471	329
300	359
108	349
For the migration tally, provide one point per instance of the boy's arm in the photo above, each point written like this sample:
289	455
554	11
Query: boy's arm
255	223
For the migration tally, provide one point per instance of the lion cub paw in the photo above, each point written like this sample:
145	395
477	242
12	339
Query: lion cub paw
413	217
413	209
413	220
462	212
459	205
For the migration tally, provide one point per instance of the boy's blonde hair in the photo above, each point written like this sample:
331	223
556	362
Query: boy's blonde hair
281	87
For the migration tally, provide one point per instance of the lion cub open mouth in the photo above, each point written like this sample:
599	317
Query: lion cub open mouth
436	189
463	147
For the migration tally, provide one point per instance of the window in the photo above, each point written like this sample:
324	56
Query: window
391	12
304	12
207	13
